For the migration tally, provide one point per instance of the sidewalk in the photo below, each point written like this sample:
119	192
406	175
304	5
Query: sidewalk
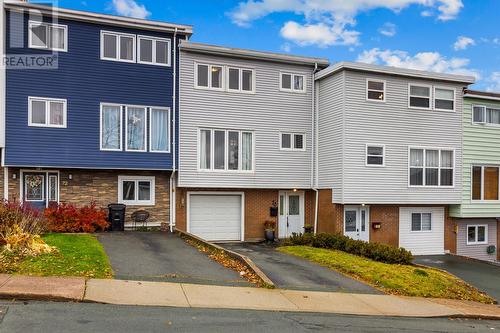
209	296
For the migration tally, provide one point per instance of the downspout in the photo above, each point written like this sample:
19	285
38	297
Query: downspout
314	147
174	134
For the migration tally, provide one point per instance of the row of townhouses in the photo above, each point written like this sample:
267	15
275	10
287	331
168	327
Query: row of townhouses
216	141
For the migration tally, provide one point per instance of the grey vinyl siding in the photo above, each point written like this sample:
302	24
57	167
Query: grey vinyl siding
397	127
476	251
267	112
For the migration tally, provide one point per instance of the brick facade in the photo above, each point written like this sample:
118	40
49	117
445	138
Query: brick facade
101	186
330	215
257	204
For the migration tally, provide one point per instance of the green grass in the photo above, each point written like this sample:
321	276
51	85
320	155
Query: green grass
404	280
77	255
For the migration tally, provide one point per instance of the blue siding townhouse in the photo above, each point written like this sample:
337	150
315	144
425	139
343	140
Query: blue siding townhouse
93	116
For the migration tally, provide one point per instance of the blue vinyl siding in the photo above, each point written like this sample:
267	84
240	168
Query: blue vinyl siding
85	81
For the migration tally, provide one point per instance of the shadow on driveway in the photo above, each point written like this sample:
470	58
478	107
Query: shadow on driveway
289	272
483	276
161	256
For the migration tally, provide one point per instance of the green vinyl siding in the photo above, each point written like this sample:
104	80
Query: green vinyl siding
481	146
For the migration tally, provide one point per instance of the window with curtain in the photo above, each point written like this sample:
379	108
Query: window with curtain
46	112
159	130
431	167
136	128
225	150
485	183
111	127
136	190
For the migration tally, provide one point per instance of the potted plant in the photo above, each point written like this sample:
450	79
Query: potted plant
269	229
308	228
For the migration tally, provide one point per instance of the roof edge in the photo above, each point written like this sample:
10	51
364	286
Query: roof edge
251	54
493	96
358	66
79	15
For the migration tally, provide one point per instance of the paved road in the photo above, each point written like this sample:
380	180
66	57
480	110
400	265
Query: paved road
483	276
158	256
290	272
87	317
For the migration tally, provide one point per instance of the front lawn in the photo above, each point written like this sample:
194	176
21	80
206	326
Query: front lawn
406	280
77	255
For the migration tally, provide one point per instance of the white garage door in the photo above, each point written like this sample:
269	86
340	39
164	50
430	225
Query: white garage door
421	230
215	217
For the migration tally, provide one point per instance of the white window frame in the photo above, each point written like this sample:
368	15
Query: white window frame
240	86
102	105
476	228
49	36
154	40
367	155
454	98
482	166
47	101
226	147
292	141
136	201
484	111
118	36
151	131
210	66
383	91
410	96
425	167
292	77
145	128
421	230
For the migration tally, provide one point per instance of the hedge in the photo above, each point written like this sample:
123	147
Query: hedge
375	251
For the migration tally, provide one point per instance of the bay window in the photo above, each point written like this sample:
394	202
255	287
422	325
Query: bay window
431	167
225	150
485	183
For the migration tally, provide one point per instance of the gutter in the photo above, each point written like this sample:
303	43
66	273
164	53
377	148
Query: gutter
314	153
174	141
468	95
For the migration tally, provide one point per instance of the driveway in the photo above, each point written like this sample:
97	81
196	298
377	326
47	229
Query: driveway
483	276
289	272
160	256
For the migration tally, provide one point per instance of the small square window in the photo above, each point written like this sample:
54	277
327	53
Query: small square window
46	112
477	234
444	99
121	47
375	155
421	222
136	190
420	96
292	82
375	90
479	114
292	141
47	36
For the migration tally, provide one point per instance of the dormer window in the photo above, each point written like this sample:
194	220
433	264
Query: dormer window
48	36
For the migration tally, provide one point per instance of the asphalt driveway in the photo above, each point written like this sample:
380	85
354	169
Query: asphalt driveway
484	276
289	272
160	256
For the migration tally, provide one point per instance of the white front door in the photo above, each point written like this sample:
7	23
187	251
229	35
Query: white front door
356	222
291	217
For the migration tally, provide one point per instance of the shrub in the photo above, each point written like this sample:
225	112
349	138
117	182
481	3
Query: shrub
375	251
69	218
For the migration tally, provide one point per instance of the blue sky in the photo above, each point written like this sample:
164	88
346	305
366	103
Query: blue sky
455	36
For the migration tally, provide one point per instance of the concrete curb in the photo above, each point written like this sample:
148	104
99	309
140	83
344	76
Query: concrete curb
266	281
42	288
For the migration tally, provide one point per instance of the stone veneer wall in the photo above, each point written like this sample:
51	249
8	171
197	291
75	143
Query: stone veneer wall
101	186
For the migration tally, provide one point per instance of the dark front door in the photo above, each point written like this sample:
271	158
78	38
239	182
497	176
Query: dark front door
40	188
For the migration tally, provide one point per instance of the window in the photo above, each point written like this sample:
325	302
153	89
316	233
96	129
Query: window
477	234
154	51
159	136
111	127
241	80
375	155
444	99
135	134
48	36
292	141
117	46
485	115
136	190
209	76
431	167
375	90
419	97
225	150
46	112
485	183
421	222
292	82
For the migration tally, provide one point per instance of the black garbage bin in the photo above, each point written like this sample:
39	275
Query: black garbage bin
117	217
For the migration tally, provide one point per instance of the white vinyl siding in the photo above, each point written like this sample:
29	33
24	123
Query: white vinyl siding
47	112
136	190
428	239
48	36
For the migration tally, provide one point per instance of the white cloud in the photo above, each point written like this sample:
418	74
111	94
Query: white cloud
388	29
463	43
494	81
130	8
286	47
426	61
333	19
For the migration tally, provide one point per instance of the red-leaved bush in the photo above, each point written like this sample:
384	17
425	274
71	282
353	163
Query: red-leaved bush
69	218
